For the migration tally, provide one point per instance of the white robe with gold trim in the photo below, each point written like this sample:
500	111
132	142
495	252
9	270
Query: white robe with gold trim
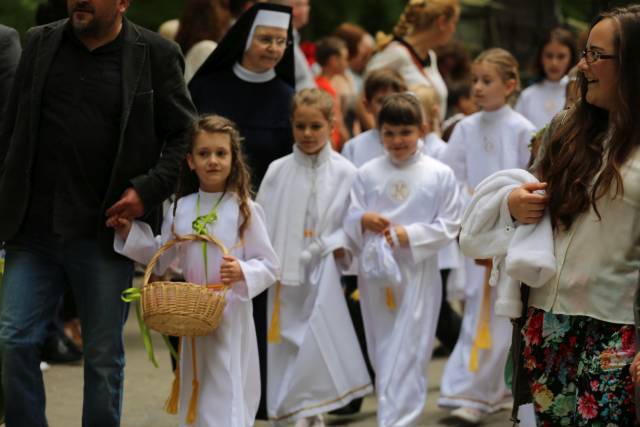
422	195
317	366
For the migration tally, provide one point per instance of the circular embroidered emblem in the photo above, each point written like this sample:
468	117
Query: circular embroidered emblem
398	190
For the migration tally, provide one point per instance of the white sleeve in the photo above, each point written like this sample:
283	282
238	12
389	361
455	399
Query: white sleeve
353	219
259	262
426	239
141	244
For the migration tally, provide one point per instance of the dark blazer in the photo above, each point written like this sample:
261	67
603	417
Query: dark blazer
9	57
156	110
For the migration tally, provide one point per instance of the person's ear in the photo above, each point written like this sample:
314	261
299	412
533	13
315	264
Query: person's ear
190	162
424	129
511	86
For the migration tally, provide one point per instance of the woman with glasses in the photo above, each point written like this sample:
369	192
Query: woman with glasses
249	79
578	335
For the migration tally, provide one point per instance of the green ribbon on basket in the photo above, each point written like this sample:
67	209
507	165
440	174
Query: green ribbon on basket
133	295
199	227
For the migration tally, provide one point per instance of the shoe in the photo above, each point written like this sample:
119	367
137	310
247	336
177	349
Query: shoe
469	415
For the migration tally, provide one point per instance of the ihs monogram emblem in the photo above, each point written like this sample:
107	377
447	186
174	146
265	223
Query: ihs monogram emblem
399	191
488	145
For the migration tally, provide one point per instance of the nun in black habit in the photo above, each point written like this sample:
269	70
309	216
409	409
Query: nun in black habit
249	79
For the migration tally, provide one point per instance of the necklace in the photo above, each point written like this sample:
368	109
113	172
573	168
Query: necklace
199	226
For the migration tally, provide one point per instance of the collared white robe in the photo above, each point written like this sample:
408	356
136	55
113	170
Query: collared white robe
421	195
317	366
482	144
543	100
227	360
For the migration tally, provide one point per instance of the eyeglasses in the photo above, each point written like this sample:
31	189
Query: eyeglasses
592	56
267	41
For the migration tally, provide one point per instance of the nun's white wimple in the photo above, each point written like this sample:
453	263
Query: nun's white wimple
268	18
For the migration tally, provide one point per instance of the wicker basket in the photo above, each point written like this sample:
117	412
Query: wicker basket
179	308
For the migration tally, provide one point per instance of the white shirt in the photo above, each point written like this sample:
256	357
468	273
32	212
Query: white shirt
541	101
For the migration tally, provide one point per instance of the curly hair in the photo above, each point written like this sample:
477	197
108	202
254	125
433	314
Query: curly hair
577	167
421	14
239	180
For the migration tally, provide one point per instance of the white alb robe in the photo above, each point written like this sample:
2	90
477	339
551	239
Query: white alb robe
317	366
227	360
541	101
421	195
482	144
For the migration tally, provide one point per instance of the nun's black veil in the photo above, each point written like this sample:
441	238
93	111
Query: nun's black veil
231	48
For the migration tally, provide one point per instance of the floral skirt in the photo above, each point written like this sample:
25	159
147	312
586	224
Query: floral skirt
578	370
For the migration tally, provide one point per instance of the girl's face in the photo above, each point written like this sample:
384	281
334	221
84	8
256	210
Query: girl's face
489	91
401	141
210	158
555	59
311	129
601	74
266	49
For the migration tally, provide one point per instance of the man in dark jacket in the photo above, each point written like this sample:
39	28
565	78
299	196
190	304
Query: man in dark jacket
93	127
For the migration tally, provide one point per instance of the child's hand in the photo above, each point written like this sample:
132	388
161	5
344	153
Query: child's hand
401	233
122	226
339	253
230	270
374	222
525	205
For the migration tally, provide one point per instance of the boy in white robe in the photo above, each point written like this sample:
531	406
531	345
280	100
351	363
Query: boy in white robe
413	200
368	145
314	361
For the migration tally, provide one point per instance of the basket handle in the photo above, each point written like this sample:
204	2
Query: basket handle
180	239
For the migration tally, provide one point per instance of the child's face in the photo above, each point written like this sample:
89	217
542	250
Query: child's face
489	91
374	105
311	129
266	49
210	158
555	60
401	141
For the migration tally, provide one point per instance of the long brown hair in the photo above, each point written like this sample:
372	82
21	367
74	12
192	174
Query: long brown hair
575	165
239	180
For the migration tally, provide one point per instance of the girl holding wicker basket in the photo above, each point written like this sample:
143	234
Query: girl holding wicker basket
219	370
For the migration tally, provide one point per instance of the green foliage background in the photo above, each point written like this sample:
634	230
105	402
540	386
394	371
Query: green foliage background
374	15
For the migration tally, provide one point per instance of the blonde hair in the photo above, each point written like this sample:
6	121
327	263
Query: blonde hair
315	98
505	64
418	15
430	101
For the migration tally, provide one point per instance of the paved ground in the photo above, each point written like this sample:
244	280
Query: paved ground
146	389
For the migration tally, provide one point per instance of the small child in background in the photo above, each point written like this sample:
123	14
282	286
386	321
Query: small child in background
460	104
368	145
483	143
546	98
430	101
404	207
333	57
314	362
221	370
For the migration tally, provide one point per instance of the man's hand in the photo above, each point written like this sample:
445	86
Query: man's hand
230	270
129	206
